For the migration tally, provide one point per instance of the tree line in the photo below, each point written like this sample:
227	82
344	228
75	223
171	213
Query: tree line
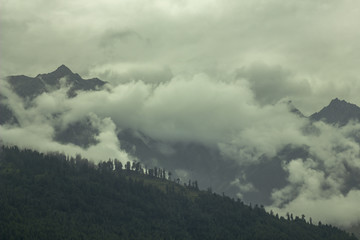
52	196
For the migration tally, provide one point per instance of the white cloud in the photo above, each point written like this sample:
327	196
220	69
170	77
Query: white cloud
39	120
243	186
340	210
319	184
315	40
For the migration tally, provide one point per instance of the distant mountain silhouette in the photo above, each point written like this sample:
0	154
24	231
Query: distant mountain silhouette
338	112
295	110
28	87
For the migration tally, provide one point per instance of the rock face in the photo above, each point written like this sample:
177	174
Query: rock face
6	115
81	133
338	112
28	87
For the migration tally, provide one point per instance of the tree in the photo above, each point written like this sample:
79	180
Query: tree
110	165
118	165
156	171
195	183
138	167
133	166
128	166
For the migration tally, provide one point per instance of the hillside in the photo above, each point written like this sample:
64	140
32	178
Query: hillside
54	197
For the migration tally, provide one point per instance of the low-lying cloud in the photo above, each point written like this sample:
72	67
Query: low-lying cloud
319	186
225	115
216	113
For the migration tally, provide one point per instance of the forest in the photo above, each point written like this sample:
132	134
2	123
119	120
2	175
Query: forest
53	196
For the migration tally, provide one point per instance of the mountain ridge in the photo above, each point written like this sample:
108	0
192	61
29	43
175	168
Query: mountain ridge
31	87
338	112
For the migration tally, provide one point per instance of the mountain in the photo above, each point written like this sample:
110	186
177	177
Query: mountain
81	133
28	87
6	114
185	159
52	197
294	109
338	112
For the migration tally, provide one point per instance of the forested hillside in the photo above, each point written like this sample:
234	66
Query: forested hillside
51	196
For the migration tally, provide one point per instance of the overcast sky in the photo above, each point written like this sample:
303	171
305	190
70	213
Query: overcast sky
308	51
211	72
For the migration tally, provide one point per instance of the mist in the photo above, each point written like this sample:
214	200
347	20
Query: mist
219	114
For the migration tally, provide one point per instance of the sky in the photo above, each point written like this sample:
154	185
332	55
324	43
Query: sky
304	50
219	73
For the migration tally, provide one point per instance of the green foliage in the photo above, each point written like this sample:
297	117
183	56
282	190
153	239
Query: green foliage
53	197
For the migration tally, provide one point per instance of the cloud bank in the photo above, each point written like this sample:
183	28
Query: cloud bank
312	44
220	114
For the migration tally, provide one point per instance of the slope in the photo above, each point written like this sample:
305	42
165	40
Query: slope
53	197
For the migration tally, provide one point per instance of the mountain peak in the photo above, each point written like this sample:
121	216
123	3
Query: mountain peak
31	87
53	77
63	70
338	112
337	101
